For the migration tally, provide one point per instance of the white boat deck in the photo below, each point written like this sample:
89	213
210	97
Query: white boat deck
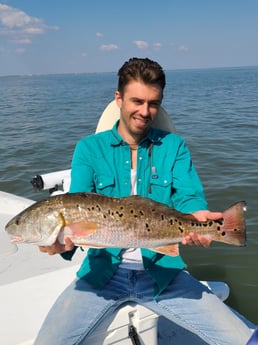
29	281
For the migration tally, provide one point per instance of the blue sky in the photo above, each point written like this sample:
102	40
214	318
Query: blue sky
77	36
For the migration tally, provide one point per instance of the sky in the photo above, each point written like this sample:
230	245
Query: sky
88	36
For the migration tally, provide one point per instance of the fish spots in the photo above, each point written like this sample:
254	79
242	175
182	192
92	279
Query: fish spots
120	214
219	223
181	229
91	208
133	213
178	223
78	206
194	224
113	213
98	208
202	224
147	227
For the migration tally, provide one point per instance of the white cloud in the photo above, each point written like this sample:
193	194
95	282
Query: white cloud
34	31
99	34
12	17
141	44
183	49
22	41
157	46
108	47
19	27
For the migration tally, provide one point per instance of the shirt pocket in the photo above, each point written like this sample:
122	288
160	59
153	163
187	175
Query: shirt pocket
161	187
104	184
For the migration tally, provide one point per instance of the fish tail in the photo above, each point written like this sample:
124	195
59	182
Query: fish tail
232	228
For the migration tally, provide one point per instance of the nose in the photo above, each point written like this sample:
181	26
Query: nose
145	110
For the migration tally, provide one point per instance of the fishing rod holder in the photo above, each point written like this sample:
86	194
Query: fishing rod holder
58	181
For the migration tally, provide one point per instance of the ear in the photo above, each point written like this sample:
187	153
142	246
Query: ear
118	99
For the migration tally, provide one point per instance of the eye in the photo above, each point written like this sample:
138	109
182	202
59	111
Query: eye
154	105
138	102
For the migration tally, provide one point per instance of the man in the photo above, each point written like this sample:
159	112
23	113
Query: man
134	158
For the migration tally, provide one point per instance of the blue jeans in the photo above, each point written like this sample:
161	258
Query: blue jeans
186	301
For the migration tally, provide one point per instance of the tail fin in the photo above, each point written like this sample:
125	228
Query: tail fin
233	227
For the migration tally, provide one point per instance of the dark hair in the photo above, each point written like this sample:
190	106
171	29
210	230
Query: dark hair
145	70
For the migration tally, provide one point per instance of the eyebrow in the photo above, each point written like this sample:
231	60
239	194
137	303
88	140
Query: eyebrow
157	101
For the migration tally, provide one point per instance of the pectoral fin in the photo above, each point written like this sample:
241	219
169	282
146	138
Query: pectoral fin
82	229
170	249
77	231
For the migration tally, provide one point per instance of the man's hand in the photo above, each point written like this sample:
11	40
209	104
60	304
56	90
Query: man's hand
199	240
57	247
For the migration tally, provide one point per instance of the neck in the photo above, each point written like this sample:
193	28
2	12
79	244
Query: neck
133	146
132	139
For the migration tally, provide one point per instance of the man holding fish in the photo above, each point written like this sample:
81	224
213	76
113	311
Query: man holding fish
135	159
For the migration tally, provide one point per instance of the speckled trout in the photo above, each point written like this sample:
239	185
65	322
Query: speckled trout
95	220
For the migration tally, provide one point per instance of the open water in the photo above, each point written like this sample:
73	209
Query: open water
215	110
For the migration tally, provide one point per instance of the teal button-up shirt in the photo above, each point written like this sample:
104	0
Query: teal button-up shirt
165	173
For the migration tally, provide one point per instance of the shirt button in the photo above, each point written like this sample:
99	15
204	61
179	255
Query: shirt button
100	184
140	158
126	162
165	181
139	180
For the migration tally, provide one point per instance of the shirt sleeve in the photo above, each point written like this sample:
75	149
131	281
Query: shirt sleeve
188	194
82	172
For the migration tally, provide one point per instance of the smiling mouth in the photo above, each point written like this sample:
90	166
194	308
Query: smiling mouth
141	122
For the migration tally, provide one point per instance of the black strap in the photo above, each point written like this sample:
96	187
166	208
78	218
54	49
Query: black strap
133	335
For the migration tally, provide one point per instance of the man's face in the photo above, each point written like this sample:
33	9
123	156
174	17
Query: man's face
138	107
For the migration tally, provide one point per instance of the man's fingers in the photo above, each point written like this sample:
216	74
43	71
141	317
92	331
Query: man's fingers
57	247
197	240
